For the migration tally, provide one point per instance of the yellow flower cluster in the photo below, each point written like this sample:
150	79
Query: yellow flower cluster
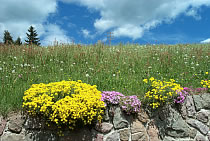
161	92
205	83
65	102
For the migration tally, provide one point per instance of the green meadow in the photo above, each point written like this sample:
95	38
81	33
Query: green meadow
119	68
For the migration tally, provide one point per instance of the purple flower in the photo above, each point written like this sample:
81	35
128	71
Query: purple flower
181	96
129	104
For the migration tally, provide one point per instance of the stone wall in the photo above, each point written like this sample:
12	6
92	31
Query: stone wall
189	121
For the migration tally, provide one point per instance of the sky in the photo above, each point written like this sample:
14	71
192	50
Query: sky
87	21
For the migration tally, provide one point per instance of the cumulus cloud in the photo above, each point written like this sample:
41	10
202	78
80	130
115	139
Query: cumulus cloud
86	34
131	18
16	17
54	33
206	41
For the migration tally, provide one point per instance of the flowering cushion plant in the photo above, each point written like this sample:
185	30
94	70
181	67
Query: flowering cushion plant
65	102
129	104
161	92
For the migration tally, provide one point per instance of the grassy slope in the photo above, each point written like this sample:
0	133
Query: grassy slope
120	68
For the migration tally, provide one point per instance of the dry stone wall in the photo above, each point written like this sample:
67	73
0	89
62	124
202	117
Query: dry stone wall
189	121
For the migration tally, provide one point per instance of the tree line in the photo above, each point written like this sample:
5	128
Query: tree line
31	38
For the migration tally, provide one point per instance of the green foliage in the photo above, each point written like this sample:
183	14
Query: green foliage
18	41
116	68
65	102
7	38
32	36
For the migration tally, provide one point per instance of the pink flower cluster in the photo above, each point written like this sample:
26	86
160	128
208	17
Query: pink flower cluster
129	104
181	95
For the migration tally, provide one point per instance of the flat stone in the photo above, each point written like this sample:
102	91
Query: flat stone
99	137
200	137
190	107
106	115
34	123
178	129
203	116
138	131
168	138
143	116
104	127
202	101
137	126
12	137
15	122
153	133
83	134
113	136
124	134
183	110
198	125
41	136
139	137
3	123
192	133
119	119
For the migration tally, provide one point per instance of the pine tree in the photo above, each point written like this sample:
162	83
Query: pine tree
7	38
32	36
18	41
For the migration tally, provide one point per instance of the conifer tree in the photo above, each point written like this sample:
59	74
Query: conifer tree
7	38
18	41
32	36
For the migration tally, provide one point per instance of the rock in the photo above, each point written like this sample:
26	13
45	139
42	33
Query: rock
202	116
106	115
15	122
168	138
137	126
192	133
119	119
12	137
34	123
138	131
99	137
198	125
139	137
202	101
124	134
190	107
209	136
105	127
41	136
3	123
83	134
183	110
153	133
176	126
113	136
143	116
200	137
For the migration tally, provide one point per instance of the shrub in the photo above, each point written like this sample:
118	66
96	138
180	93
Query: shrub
65	102
161	92
129	104
206	84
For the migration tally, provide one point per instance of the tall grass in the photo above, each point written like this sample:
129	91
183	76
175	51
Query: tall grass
120	68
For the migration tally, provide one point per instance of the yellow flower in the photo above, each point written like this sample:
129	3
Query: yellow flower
145	81
207	72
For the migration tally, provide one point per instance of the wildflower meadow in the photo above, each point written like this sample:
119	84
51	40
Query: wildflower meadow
45	79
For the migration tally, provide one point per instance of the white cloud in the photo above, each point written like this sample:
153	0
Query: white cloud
206	41
140	15
86	34
54	33
16	17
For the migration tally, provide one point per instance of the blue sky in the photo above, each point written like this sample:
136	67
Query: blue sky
87	21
